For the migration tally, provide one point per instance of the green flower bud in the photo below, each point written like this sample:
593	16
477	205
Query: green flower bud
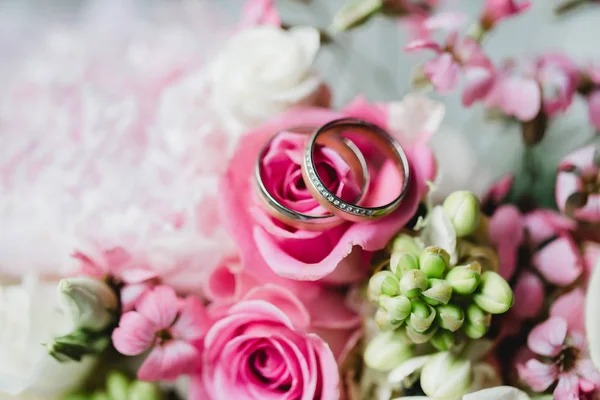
421	316
401	263
144	391
117	386
377	283
398	307
439	292
450	317
494	295
463	210
387	350
477	322
90	303
384	321
413	283
420	337
354	14
464	279
406	244
443	340
434	261
445	376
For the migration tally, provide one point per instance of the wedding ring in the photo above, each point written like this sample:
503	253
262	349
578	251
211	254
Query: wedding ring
353	211
349	153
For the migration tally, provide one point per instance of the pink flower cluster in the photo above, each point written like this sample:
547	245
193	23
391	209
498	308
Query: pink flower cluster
520	89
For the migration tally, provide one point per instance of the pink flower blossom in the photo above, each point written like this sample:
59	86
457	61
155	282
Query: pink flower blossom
170	327
593	102
560	343
259	12
578	184
336	253
507	235
495	11
529	296
454	56
558	77
264	347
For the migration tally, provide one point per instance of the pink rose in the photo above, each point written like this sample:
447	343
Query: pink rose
340	253
577	192
262	348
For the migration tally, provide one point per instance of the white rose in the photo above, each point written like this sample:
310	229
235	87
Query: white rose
29	317
263	71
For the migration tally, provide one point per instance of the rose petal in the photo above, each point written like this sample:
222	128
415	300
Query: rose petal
548	337
284	300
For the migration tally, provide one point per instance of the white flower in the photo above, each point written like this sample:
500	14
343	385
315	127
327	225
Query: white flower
262	72
439	231
495	393
29	317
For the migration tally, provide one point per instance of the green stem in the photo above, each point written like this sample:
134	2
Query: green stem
569	5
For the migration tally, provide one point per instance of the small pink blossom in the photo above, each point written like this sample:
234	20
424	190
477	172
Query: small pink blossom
561	344
558	77
454	56
495	11
514	94
259	12
578	184
170	327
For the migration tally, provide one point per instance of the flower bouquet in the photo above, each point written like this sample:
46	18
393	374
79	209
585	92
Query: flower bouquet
202	224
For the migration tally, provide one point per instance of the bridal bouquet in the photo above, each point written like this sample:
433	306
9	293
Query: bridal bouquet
204	225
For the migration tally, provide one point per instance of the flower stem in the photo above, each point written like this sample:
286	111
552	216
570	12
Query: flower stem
569	5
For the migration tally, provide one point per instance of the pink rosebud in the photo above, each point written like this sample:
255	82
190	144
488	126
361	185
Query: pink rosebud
578	185
266	244
170	327
259	12
495	11
257	351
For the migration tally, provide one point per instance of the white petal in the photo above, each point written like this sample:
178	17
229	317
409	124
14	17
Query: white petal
439	231
407	368
497	393
415	118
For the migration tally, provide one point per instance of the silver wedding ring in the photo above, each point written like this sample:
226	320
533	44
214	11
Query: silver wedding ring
351	155
389	146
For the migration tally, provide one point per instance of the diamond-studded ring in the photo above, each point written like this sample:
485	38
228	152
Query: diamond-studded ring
376	135
348	152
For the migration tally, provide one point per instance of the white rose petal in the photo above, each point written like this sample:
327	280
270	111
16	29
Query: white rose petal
262	72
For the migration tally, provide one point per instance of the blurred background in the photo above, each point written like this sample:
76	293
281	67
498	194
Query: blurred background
369	60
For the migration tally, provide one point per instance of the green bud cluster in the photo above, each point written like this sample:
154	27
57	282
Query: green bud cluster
119	387
428	300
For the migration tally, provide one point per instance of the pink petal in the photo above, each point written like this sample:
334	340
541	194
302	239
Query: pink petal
285	300
570	307
227	283
499	189
529	296
588	370
169	360
517	96
197	391
591	210
192	321
548	337
542	225
479	82
137	275
134	334
159	305
422	44
259	12
443	72
559	261
537	375
567	183
327	369
583	159
449	21
594	109
360	108
567	388
506	234
131	294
